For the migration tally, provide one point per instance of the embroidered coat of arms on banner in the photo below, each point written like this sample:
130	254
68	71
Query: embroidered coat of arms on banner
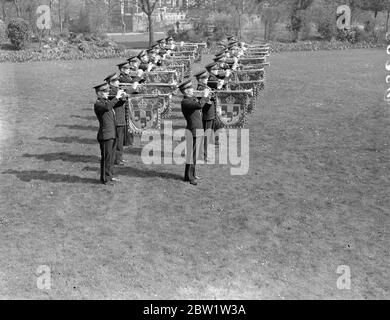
232	108
145	113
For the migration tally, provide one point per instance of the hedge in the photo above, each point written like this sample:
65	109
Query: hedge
56	54
73	53
315	46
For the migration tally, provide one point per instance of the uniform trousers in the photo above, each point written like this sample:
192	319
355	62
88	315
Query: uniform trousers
107	151
119	144
193	145
208	130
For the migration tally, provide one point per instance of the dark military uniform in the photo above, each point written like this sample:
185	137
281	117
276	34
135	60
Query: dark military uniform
106	136
208	117
213	84
120	111
191	109
125	78
144	66
128	137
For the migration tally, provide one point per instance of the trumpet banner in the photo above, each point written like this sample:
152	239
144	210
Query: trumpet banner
186	61
232	108
249	75
256	60
164	90
197	48
145	113
179	68
251	86
161	77
190	53
160	88
187	47
255	66
251	55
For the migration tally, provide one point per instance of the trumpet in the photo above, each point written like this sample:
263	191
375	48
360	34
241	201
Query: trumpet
200	93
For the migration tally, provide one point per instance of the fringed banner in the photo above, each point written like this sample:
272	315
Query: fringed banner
187	47
248	75
251	61
250	86
232	108
145	113
179	68
163	90
160	88
186	61
169	76
191	54
255	66
251	55
198	47
166	91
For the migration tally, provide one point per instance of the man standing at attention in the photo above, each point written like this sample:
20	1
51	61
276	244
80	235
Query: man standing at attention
120	113
208	111
191	109
107	131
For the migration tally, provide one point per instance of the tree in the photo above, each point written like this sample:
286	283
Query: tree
148	6
375	6
296	20
59	15
16	5
270	17
387	7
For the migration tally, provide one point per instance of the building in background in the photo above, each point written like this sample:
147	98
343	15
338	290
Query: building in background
166	15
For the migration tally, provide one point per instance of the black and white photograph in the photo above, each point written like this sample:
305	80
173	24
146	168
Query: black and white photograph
194	150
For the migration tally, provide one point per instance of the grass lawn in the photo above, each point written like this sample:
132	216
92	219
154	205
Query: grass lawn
316	195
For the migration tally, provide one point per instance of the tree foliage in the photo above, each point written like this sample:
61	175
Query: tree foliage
18	32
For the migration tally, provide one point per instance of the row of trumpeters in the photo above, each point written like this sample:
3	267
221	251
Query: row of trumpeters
233	104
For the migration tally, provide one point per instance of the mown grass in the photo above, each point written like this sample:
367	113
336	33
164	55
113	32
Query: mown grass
316	195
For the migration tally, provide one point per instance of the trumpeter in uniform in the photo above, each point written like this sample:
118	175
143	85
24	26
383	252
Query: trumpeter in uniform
120	112
145	64
124	69
208	111
104	110
191	108
217	77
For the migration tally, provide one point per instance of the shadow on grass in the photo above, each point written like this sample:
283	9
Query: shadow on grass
78	127
29	175
71	140
64	156
138	173
136	151
84	118
177	127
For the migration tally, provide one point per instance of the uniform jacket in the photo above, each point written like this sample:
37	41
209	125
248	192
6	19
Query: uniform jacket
119	107
106	115
208	111
124	78
213	81
144	66
191	109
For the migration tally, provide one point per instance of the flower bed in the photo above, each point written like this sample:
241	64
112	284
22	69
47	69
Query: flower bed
314	46
77	47
321	45
85	50
60	54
